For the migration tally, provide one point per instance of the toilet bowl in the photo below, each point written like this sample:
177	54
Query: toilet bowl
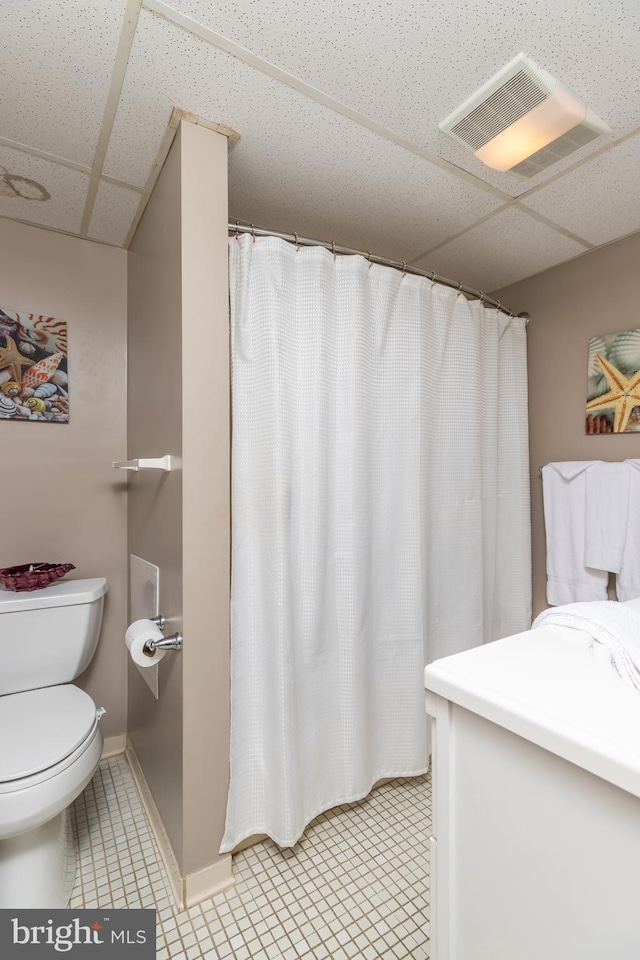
54	741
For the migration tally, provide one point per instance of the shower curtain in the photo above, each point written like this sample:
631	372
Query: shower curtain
380	518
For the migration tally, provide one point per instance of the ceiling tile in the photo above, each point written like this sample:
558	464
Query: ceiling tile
600	200
298	165
507	247
55	72
114	208
24	200
408	65
301	165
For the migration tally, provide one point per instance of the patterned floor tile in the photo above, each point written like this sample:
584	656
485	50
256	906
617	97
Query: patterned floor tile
355	887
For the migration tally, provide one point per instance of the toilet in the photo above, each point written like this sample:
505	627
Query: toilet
50	738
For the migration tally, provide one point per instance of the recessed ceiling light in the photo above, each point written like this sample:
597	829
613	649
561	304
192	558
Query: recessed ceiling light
523	120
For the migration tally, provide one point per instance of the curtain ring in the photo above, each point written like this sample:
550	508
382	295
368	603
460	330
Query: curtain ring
459	288
296	239
481	298
433	276
369	257
333	248
253	233
404	266
237	233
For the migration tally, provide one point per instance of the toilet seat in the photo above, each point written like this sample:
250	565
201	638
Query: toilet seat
24	783
29	802
48	726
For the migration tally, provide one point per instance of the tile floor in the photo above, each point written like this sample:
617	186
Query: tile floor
355	886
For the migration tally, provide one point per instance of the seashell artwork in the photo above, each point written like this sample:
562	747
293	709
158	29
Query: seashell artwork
624	352
33	367
8	325
596	345
10	388
8	407
42	371
45	390
44	332
613	383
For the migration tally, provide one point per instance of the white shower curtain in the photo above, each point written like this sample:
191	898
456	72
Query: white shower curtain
380	518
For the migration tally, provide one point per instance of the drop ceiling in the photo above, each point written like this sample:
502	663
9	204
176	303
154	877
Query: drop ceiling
337	104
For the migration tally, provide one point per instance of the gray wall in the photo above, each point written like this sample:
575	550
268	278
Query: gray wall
179	404
62	500
596	293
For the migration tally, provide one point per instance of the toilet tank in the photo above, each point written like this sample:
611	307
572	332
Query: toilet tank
49	636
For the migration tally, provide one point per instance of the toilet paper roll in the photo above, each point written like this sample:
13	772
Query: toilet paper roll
139	633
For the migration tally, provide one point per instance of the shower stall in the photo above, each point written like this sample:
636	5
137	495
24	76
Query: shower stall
380	516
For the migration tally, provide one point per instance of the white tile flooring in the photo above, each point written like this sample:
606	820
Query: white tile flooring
355	886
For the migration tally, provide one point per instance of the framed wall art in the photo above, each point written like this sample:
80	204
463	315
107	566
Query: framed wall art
613	383
34	378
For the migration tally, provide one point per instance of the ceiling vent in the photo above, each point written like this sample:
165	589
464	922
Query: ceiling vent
523	120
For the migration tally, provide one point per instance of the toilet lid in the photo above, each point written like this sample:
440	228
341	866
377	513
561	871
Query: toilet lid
39	728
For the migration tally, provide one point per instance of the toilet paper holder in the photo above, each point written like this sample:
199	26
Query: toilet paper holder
173	642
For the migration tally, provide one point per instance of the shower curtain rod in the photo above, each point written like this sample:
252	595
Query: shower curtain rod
243	226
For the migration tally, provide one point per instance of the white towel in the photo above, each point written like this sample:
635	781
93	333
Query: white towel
615	625
564	494
606	505
628	580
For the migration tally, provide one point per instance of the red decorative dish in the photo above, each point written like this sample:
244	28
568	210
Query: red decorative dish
33	576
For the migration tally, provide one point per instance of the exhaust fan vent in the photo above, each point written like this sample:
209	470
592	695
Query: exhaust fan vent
510	102
523	90
560	148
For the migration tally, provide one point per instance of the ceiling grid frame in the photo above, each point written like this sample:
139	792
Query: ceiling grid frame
170	14
125	43
164	10
189	25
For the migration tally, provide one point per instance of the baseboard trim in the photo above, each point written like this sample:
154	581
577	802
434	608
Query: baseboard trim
114	745
195	887
157	827
208	882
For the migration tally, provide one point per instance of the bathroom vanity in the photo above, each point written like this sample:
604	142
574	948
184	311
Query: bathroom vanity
535	850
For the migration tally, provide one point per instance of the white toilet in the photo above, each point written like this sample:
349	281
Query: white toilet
50	739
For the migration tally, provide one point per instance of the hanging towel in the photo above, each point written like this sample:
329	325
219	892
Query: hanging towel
628	580
606	505
564	495
615	625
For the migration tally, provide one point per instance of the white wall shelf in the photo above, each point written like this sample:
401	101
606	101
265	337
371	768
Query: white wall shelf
166	463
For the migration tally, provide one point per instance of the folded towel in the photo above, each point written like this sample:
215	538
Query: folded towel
564	494
628	580
607	507
615	625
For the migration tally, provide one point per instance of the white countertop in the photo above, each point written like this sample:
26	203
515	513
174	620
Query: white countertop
554	687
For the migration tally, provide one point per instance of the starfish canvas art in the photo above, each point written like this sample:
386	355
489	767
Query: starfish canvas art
34	380
613	383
